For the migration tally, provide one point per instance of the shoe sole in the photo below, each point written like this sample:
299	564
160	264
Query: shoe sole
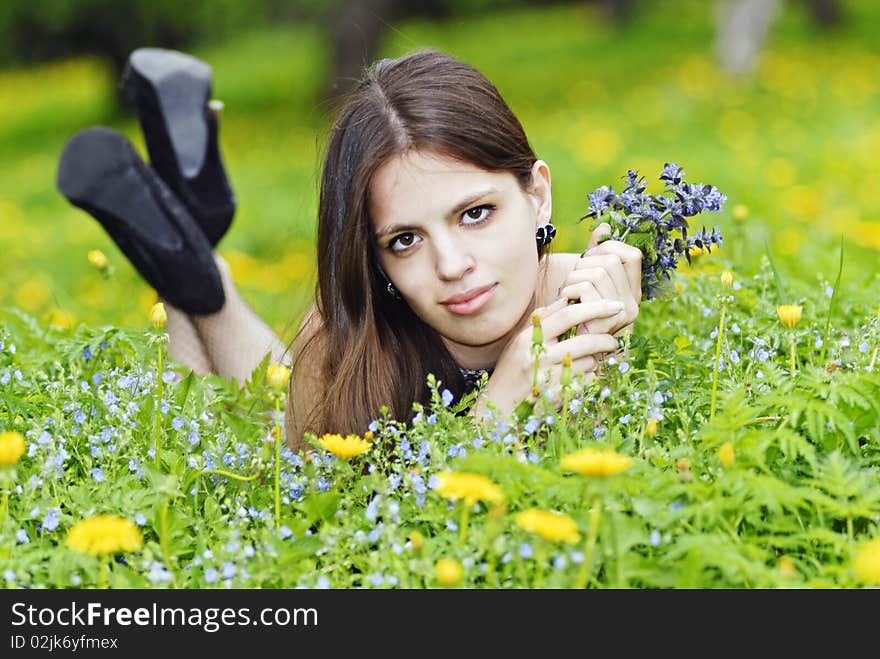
170	90
100	172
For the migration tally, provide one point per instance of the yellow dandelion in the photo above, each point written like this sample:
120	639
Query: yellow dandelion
277	375
785	567
416	540
97	258
104	534
550	525
867	562
346	447
11	447
470	487
651	427
740	212
789	314
727	279
726	455
449	572
595	462
158	316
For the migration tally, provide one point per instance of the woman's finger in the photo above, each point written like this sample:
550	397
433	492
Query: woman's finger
631	259
581	346
571	315
599	232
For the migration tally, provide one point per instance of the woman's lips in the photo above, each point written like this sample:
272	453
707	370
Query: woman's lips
470	303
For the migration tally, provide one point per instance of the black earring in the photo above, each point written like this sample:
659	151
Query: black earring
392	292
545	234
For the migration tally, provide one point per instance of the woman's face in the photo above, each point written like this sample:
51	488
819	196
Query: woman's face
458	242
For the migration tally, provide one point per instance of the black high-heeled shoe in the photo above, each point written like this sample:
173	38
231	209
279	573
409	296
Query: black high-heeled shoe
170	91
101	173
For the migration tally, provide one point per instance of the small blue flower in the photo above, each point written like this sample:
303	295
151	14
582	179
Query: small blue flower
377	578
285	532
372	511
525	550
447	397
177	423
624	367
211	575
323	582
140	519
21	537
79	417
654	538
531	425
98	474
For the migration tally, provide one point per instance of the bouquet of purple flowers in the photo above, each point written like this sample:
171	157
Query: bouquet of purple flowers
650	222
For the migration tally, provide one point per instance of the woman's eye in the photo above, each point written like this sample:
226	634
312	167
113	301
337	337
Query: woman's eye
476	214
403	242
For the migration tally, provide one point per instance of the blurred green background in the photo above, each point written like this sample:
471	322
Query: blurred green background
599	86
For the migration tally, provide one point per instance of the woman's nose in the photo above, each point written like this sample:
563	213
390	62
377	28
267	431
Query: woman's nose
454	259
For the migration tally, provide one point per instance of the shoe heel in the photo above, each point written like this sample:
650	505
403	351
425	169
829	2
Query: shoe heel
170	90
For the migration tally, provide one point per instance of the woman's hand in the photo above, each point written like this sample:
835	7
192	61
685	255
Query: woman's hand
611	270
511	381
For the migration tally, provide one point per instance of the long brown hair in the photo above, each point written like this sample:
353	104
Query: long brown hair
378	352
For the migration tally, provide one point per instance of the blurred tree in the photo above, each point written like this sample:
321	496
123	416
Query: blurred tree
742	27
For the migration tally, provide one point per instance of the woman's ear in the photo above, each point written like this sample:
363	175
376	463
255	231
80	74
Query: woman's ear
540	191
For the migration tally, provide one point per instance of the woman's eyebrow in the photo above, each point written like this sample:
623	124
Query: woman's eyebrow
460	207
470	200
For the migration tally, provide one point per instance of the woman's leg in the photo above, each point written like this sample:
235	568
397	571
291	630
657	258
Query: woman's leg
235	339
185	344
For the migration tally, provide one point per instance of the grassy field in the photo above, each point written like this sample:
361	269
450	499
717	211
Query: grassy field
795	144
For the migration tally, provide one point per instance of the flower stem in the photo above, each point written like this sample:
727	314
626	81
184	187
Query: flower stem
277	465
590	544
104	573
4	506
465	514
873	359
717	358
159	386
793	356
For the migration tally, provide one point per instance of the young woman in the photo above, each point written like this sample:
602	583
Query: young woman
433	226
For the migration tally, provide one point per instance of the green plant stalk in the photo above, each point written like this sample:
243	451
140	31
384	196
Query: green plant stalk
277	465
465	514
831	304
4	506
873	359
619	581
163	542
540	558
104	573
793	355
717	358
590	544
159	387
